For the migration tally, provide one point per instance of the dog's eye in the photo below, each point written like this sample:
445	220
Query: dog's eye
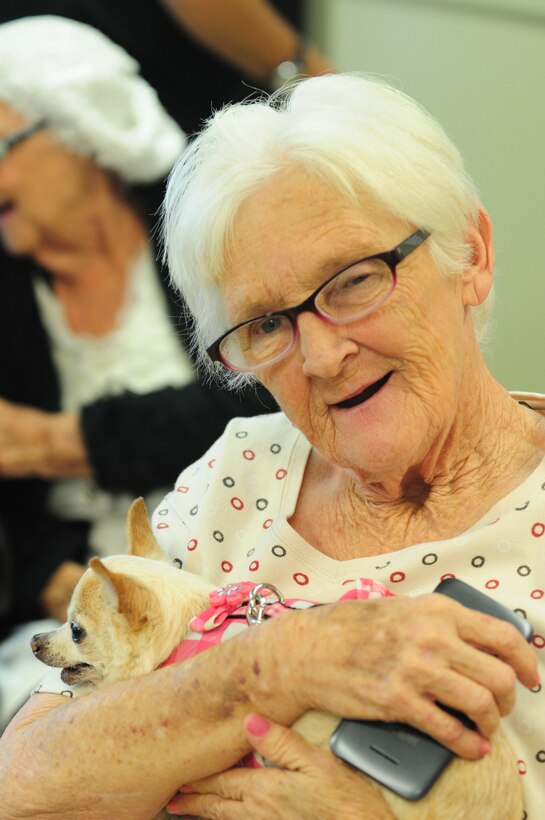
78	633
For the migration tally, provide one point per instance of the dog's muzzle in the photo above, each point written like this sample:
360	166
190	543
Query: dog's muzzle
38	643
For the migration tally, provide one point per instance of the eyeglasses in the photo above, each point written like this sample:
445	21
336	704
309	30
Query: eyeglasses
12	140
349	295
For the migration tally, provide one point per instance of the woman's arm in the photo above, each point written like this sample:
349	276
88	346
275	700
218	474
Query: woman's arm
303	783
172	427
124	750
249	34
39	443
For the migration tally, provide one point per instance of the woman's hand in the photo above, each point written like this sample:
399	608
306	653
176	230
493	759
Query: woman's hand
395	659
36	443
304	784
56	595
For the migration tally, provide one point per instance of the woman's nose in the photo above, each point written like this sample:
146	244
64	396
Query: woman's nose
324	346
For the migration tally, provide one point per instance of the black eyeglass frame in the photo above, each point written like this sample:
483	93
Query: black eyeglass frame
392	258
9	142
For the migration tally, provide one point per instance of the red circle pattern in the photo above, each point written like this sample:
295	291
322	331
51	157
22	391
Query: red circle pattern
300	578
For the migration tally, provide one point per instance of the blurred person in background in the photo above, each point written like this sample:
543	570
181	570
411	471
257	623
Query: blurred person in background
198	54
99	397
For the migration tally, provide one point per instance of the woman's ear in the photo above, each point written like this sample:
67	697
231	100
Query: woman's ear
477	280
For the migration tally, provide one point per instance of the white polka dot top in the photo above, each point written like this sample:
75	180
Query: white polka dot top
227	519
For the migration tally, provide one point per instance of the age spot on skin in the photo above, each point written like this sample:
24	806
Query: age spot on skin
226	711
256	669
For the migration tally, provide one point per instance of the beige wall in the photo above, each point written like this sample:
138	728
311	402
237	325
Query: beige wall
479	67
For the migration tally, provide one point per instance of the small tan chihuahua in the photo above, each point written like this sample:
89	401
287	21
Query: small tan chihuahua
129	612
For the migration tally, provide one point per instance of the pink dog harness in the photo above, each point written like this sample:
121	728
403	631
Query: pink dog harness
230	612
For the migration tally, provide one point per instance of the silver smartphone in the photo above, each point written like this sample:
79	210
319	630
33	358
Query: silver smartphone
401	757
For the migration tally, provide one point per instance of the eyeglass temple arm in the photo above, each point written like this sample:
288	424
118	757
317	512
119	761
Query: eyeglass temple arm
410	244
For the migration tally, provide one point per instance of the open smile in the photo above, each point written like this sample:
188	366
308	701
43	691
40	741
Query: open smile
6	208
366	394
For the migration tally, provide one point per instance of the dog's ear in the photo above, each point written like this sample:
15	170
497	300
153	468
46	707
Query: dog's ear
139	533
127	595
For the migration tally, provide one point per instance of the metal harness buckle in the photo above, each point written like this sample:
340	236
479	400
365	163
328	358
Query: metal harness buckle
258	600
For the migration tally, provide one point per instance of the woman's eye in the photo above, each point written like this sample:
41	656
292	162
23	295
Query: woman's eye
268	325
78	633
355	280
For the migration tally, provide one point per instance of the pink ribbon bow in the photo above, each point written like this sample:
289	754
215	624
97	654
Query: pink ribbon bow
224	601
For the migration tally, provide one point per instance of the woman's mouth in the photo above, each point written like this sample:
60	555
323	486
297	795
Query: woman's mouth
366	394
6	209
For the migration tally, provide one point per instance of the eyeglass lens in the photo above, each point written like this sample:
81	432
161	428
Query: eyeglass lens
352	294
9	142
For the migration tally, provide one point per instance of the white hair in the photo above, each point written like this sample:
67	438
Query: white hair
356	134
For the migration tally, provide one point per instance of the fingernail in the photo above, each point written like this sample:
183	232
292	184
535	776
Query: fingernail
257	725
173	808
186	789
484	748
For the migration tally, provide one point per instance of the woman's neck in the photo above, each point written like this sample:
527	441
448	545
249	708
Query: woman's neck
493	445
89	261
103	232
490	436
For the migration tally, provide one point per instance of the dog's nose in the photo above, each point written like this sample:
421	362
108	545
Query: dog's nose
35	645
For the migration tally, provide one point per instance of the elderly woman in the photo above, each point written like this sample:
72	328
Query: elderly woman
331	246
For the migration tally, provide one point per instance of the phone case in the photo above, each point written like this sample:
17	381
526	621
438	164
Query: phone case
401	757
474	599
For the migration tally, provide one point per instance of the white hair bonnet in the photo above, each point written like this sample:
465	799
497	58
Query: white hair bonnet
90	94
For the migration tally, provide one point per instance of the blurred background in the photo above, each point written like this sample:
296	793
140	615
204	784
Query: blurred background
479	67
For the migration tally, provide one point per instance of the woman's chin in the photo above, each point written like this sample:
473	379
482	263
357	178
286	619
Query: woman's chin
370	413
17	243
374	439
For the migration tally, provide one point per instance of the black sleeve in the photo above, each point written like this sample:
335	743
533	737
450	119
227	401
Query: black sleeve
6	573
34	546
137	443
